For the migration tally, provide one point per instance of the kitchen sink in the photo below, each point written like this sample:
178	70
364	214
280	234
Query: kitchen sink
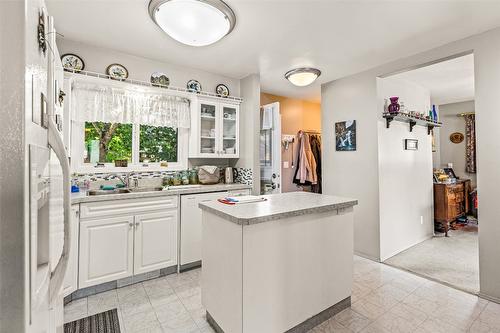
144	189
124	190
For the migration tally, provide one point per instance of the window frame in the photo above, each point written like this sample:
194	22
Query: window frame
78	147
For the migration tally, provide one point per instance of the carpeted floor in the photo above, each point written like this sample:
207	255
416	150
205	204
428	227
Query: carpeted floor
453	260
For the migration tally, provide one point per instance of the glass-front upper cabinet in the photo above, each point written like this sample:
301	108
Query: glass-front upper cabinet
215	132
229	130
208	129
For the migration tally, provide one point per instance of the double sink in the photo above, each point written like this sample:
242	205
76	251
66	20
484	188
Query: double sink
126	190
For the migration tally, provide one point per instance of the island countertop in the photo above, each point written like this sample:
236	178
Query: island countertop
278	206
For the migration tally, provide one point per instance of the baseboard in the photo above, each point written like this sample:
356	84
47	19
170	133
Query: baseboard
363	255
489	298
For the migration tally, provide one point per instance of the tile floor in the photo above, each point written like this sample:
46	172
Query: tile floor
384	299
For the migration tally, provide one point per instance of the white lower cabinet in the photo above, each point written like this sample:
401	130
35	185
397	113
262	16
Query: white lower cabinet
106	250
155	241
122	238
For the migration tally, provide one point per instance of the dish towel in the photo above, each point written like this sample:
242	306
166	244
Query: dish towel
267	118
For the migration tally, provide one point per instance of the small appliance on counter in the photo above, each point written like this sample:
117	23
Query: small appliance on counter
230	175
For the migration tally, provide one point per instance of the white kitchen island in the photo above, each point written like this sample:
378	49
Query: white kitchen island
282	265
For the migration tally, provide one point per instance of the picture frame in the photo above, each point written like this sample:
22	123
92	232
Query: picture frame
411	144
345	135
450	172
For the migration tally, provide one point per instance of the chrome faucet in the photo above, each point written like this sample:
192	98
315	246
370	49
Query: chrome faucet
125	180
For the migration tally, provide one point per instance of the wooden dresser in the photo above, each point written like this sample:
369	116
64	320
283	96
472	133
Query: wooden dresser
450	202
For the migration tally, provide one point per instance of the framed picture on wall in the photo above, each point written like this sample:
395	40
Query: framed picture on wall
345	135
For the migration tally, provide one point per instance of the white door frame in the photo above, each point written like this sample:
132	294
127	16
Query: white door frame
276	145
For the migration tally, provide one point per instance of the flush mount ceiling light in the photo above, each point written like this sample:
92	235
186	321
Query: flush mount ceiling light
193	22
302	77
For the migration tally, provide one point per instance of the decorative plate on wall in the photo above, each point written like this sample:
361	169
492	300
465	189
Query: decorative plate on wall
222	90
159	79
193	86
117	72
72	62
456	137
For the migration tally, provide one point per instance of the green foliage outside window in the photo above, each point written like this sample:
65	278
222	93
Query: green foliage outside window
157	144
114	142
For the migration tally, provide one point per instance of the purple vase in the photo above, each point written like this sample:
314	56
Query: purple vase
393	108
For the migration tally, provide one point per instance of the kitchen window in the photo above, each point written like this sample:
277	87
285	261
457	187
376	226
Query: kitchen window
118	122
143	146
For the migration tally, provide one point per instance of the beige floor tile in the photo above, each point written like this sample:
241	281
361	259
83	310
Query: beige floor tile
352	320
433	325
207	329
330	326
411	315
102	302
368	309
423	304
390	322
176	280
75	310
134	303
170	311
139	322
199	316
189	289
479	326
182	323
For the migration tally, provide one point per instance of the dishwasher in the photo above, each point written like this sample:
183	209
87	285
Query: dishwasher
190	228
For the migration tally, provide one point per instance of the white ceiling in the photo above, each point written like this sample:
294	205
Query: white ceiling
272	36
450	81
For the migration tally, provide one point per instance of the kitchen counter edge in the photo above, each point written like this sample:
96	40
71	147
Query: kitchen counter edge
345	203
82	197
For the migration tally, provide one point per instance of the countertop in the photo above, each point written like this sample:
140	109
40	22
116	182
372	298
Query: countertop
81	197
278	206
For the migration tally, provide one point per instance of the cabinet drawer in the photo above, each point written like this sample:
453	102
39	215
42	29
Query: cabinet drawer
127	206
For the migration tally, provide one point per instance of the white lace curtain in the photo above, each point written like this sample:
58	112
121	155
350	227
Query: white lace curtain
125	103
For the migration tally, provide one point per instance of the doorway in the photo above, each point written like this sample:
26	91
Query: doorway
269	150
280	151
448	249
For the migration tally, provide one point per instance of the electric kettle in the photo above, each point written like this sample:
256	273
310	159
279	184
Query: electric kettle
230	175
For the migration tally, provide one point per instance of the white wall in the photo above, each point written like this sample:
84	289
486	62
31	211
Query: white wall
356	174
454	152
97	59
250	128
405	176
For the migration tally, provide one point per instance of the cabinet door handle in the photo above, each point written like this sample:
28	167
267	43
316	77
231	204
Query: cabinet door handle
131	224
136	224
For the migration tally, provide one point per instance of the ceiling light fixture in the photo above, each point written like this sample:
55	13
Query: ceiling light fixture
302	77
193	22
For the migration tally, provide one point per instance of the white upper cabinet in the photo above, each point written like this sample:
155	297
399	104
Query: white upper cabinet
214	129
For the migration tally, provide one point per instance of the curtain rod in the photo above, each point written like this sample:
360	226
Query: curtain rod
463	114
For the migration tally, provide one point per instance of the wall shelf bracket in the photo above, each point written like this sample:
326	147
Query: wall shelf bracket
412	124
430	128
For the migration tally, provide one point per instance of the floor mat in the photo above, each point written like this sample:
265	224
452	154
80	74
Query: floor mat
453	260
104	322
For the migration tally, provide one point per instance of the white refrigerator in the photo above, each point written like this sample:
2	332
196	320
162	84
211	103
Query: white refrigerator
35	174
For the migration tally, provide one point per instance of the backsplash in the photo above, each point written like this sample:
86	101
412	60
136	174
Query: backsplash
145	179
244	176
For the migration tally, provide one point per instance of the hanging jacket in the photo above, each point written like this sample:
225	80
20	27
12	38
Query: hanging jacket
316	150
306	163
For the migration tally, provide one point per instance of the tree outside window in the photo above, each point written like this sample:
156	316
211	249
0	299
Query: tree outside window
107	142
